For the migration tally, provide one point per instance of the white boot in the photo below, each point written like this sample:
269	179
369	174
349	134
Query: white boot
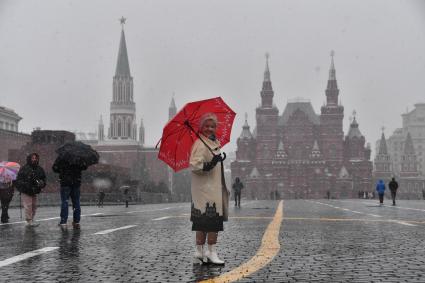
199	253
212	256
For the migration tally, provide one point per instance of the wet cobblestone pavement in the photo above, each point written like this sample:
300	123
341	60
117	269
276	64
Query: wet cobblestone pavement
321	241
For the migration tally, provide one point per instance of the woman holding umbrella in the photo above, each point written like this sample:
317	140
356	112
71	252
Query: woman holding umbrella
6	195
8	173
207	199
193	138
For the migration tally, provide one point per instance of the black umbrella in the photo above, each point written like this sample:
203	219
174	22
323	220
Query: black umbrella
77	153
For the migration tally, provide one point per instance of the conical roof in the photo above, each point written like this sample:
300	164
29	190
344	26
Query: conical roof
254	173
343	173
332	83
246	132
408	145
383	150
172	103
354	130
267	70
315	152
123	67
280	152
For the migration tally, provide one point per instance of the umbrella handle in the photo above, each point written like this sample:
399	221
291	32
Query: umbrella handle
224	156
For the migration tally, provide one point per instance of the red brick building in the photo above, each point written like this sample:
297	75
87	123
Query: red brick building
45	143
300	154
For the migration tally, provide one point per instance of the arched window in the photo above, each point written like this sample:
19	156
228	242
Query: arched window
119	127
332	151
128	127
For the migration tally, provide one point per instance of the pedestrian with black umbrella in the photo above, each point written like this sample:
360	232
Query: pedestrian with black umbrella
73	158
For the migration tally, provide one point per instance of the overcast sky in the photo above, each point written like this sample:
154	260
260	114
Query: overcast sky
57	58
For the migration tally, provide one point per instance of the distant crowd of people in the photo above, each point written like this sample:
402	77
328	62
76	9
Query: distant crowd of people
366	195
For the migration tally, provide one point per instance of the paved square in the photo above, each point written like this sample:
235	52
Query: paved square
320	241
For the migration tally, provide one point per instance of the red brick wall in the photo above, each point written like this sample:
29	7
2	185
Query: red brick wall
11	140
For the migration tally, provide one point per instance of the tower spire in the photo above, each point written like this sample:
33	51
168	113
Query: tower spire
246	132
123	67
172	109
267	70
408	145
332	72
383	145
267	90
332	90
122	109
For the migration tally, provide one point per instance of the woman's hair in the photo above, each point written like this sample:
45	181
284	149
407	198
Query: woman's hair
205	118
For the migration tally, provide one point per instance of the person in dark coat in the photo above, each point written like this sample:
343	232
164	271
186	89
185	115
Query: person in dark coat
6	195
126	197
70	182
380	188
393	185
237	188
101	198
29	182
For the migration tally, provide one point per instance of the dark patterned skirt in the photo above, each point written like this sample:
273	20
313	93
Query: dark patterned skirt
209	221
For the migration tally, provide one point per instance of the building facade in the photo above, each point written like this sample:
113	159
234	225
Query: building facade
9	120
410	179
10	138
300	154
413	122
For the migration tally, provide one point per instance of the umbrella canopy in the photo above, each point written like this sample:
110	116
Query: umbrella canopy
77	153
182	131
8	171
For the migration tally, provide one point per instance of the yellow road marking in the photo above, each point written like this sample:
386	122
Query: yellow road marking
233	217
269	248
351	219
318	219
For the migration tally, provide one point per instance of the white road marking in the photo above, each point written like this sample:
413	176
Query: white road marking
27	255
396	206
403	223
113	230
391	220
11	223
346	209
149	210
48	219
162	218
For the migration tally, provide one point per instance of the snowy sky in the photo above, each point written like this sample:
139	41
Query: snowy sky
57	58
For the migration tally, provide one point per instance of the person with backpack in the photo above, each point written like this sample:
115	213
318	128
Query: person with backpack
29	182
380	188
393	185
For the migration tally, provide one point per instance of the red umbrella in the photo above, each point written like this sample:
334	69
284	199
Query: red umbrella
181	132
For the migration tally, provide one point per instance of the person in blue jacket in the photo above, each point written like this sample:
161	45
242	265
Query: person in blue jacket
380	188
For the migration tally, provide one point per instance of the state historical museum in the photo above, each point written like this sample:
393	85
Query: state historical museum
300	154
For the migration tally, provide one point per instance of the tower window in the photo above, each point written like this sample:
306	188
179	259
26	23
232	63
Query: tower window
119	127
